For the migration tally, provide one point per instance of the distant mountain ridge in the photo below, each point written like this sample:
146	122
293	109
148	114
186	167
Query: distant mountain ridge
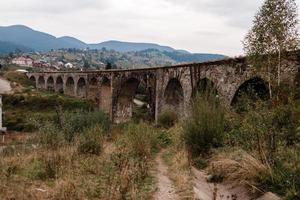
20	37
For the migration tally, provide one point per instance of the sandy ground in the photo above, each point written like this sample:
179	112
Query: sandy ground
5	86
166	189
210	191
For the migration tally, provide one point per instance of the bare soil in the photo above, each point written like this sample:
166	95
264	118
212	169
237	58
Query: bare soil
166	189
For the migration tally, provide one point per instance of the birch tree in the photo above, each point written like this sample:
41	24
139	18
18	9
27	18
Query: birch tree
274	32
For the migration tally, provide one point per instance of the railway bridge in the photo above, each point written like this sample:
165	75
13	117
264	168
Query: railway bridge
169	87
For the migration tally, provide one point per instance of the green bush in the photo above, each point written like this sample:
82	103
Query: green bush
200	163
89	147
19	78
167	119
91	141
49	135
164	138
75	123
204	129
43	168
141	139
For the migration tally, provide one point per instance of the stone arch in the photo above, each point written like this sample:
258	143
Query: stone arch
105	100
125	98
93	91
250	91
41	82
174	97
50	83
59	84
33	80
70	87
81	88
204	87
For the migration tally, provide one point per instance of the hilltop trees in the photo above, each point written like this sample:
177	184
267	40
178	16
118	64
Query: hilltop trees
274	32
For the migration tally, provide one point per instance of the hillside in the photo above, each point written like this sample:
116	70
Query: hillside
25	39
98	59
7	47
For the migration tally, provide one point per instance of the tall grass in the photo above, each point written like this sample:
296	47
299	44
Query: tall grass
204	129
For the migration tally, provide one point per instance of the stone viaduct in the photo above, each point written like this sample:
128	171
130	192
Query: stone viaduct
169	87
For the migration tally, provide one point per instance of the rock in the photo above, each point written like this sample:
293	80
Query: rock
269	196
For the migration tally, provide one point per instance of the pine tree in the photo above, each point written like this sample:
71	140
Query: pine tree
274	32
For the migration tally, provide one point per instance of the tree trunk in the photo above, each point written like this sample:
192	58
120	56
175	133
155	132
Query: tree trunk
279	68
269	77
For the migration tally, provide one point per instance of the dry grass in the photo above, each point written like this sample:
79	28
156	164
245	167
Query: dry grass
179	167
63	173
239	167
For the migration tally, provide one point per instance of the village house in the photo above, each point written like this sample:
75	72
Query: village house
23	61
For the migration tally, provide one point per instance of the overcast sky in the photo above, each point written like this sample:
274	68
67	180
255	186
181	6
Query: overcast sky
211	26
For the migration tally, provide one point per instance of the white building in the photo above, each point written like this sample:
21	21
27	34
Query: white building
23	61
69	65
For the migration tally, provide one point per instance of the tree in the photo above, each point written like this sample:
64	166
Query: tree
274	33
108	65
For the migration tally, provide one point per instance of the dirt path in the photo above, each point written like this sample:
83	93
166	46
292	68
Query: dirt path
4	86
210	191
166	189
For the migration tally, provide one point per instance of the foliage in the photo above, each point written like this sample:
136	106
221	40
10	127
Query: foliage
49	135
18	77
142	139
274	32
141	113
75	123
91	141
200	163
205	127
167	119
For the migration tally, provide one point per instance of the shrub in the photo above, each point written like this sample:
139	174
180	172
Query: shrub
49	135
45	167
164	139
89	147
75	123
18	77
167	119
239	167
205	127
91	141
141	139
200	163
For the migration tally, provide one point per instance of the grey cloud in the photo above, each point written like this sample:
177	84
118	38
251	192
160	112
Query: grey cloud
51	6
238	13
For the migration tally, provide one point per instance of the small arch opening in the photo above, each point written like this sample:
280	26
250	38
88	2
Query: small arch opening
70	87
41	82
174	97
59	84
249	93
50	84
81	88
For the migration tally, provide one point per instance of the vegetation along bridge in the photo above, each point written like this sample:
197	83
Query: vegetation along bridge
169	87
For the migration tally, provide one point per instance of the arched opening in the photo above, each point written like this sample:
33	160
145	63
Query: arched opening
41	82
50	84
249	93
33	80
174	97
81	88
70	87
125	100
59	84
93	91
205	87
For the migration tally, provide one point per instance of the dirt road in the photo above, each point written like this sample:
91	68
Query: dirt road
166	189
